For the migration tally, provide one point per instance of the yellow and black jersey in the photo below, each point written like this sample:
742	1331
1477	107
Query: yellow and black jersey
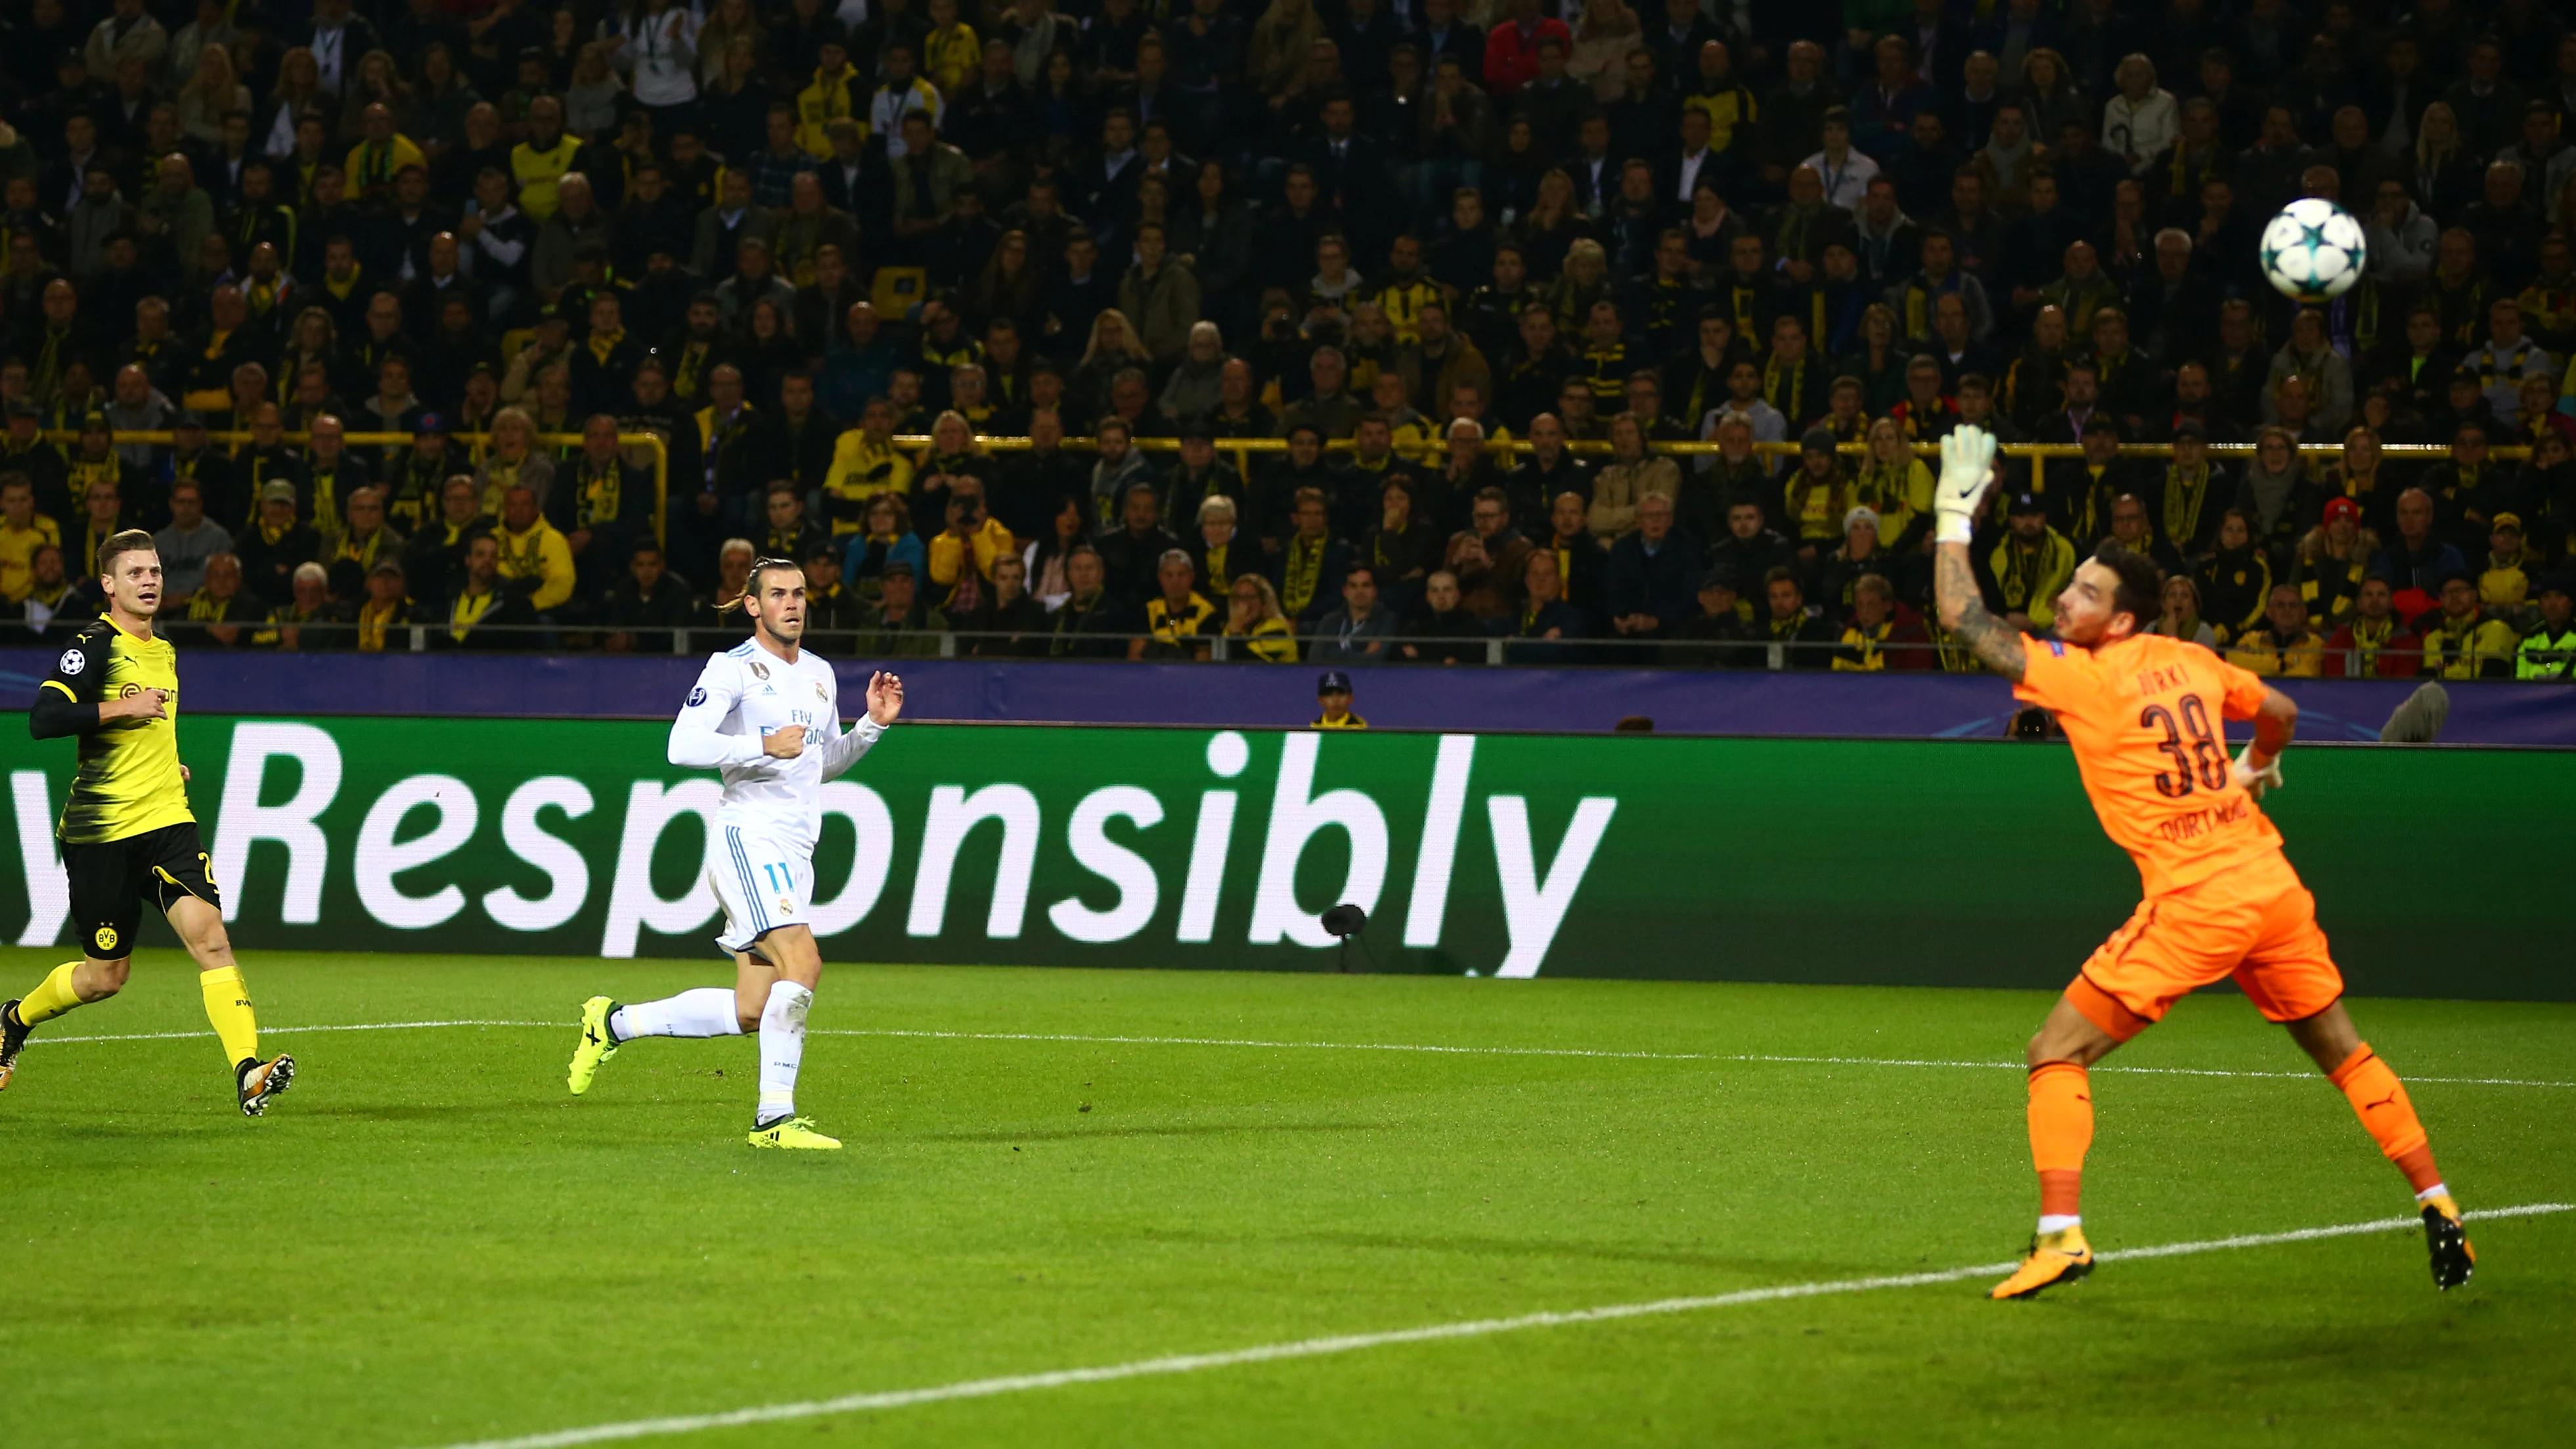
1175	629
129	769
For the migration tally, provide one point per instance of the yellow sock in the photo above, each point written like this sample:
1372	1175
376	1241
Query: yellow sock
52	998
228	1007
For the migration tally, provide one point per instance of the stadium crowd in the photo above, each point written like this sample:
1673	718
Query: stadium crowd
1426	243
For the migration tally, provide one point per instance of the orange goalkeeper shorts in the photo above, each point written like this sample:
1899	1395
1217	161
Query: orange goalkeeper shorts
2177	943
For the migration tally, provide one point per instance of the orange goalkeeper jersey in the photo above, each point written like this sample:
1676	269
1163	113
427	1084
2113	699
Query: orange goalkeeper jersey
2145	717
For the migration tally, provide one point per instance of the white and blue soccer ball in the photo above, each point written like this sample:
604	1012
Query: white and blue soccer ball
2313	251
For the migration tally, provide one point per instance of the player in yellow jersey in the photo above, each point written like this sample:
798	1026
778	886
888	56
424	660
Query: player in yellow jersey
2142	713
127	834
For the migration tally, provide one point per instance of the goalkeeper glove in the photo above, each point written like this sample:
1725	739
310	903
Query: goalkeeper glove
1967	470
2257	781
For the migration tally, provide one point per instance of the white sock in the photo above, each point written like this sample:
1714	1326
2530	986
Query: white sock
782	1048
2058	1222
707	1011
2430	1193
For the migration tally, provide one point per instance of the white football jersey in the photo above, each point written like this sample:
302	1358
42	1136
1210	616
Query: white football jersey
746	694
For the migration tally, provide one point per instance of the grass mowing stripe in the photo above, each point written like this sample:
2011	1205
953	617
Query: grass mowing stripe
1429	1333
283	1030
1365	1046
1373	1046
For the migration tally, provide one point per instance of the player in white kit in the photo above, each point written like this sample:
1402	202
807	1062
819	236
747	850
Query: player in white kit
766	714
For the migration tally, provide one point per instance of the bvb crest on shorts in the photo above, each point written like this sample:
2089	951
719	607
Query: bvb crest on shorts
106	938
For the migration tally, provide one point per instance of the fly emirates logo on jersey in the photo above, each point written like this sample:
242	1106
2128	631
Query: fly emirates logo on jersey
1205	855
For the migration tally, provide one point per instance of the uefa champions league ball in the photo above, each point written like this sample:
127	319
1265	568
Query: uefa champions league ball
2313	251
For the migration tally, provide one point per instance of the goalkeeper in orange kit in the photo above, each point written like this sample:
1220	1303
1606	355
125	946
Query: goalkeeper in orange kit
2143	713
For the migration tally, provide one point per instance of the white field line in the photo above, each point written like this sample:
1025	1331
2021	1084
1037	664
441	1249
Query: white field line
1358	1046
1430	1333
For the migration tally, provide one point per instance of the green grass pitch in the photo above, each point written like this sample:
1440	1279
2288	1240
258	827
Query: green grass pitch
429	1243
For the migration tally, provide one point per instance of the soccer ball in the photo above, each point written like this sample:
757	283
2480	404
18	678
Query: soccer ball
2313	251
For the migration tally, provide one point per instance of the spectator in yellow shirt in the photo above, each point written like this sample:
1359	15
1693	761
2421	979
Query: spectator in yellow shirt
865	464
962	555
536	559
22	531
376	161
950	53
2285	647
2461	642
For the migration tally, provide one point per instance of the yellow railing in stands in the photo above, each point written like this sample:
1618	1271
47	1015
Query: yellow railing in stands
473	443
2037	453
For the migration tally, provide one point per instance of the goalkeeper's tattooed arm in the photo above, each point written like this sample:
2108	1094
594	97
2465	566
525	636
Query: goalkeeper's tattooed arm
1964	613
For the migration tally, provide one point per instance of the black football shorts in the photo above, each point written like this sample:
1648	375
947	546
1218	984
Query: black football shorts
111	879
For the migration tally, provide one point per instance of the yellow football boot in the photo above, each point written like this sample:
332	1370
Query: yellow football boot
2059	1257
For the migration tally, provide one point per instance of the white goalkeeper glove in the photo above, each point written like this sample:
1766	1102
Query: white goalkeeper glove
2257	781
1967	471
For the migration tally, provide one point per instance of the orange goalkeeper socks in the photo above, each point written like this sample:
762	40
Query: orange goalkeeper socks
2061	1131
2379	1100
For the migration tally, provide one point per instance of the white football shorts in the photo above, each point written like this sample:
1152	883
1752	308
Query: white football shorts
763	885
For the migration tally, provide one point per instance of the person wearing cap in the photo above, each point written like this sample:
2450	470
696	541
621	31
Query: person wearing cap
2032	564
2547	654
2185	500
193	457
415	475
1203	473
899	624
385	608
2504	584
2285	646
2374	643
275	543
1333	703
831	607
2460	641
1862	554
1715	637
94	459
2334	557
2080	495
23	449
